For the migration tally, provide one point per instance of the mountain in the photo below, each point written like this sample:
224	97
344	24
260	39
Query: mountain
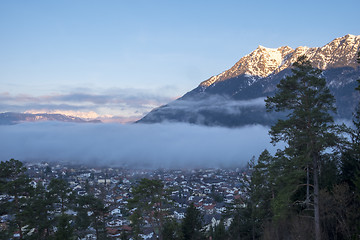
236	96
9	118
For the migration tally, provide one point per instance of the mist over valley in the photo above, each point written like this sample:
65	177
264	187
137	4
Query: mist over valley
166	145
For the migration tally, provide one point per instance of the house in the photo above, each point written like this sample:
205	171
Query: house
179	215
116	211
220	208
104	181
148	234
209	209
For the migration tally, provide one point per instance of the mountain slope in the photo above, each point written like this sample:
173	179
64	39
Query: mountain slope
9	118
235	97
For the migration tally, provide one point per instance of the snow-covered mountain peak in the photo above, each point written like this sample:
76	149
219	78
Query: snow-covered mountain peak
264	61
262	48
261	62
236	96
338	53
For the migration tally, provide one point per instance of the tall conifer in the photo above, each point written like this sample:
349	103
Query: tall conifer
307	128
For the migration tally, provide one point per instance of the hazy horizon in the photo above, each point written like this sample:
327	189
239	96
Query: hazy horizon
175	145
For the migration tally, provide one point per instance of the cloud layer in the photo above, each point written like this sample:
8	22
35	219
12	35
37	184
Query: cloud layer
216	104
123	103
136	145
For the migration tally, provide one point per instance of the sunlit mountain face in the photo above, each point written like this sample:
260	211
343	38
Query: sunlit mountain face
235	97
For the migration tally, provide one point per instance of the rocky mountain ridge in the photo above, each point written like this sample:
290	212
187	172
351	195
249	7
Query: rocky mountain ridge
224	99
9	118
262	62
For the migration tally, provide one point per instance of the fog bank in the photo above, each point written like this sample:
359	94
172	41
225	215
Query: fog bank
137	145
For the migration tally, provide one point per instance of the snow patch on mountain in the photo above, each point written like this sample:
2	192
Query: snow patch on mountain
263	61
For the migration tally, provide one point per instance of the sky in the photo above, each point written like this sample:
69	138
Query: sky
120	59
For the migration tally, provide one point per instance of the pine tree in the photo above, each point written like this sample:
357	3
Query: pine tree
38	208
91	212
253	210
263	191
15	184
149	201
242	224
350	173
171	230
220	232
60	192
253	186
350	169
64	229
307	128
192	224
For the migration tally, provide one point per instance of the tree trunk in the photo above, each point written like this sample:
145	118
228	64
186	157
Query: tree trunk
307	201
160	217
253	221
97	229
316	200
20	230
18	222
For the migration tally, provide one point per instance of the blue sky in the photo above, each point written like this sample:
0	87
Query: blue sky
123	58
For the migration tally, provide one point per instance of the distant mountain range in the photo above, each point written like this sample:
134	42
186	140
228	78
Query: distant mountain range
10	118
236	96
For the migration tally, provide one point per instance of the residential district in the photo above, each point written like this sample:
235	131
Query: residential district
210	190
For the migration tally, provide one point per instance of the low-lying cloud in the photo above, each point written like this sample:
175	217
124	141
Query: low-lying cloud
214	110
115	102
135	145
